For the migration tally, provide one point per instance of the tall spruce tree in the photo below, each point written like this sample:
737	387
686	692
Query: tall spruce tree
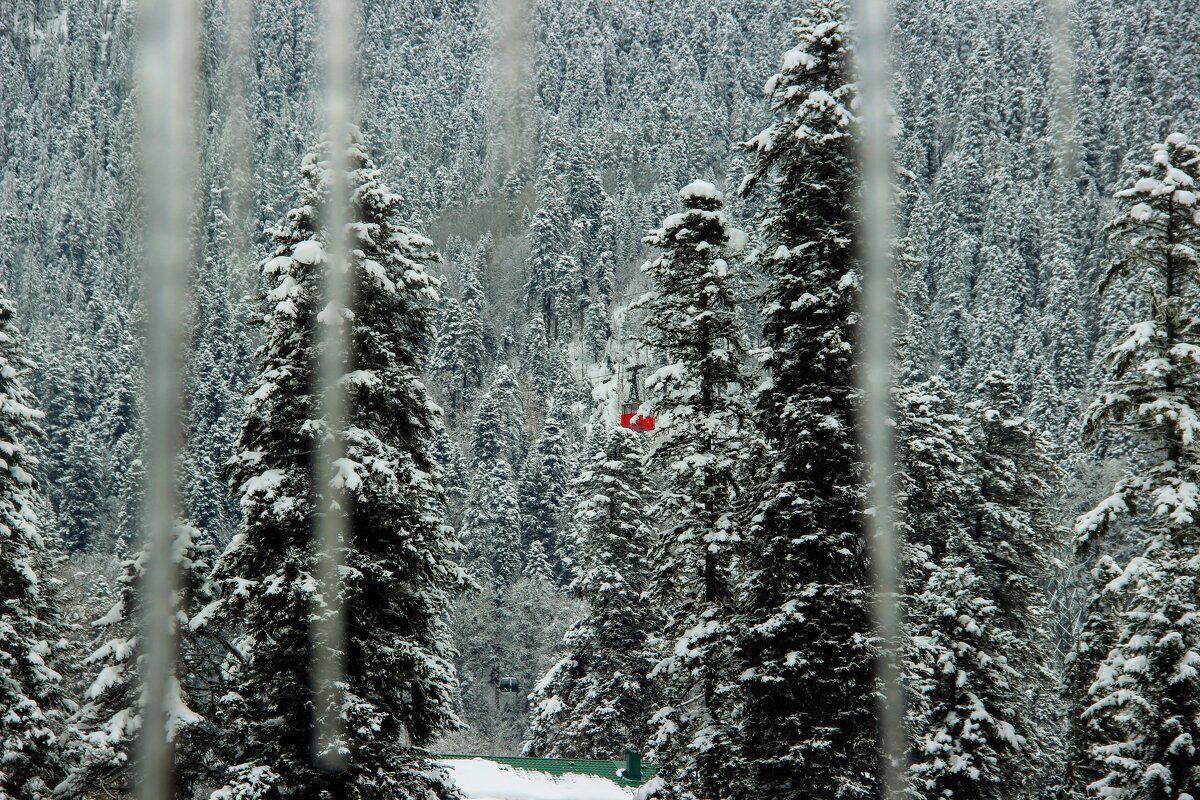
446	358
498	429
549	253
594	702
699	401
398	688
1144	710
1093	642
963	713
543	490
805	646
966	743
938	483
31	632
491	528
104	730
1016	523
978	527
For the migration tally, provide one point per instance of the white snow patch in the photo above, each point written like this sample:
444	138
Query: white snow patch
701	189
737	240
649	788
480	779
1142	212
308	252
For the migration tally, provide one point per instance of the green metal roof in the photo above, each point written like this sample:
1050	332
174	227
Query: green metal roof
566	766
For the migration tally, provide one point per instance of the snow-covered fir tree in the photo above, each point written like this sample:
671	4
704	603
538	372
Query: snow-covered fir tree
459	354
498	428
543	490
491	529
805	645
1095	639
966	744
982	704
595	702
472	344
1144	711
104	730
550	257
698	400
398	689
446	359
31	631
938	482
1018	528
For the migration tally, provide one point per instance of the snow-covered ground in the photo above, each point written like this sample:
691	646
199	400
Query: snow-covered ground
479	779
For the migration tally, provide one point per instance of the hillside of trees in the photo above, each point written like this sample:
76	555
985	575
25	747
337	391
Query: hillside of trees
651	208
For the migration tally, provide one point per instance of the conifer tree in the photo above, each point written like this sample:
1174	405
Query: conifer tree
537	565
491	528
938	482
471	346
805	646
1016	525
966	743
31	633
498	429
446	358
1096	637
556	382
398	687
459	351
543	488
570	296
963	713
105	729
698	400
592	703
597	330
549	256
1145	702
449	457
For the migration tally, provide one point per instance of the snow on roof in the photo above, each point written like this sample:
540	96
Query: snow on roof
480	779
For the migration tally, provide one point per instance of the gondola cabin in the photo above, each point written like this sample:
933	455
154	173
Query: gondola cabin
630	418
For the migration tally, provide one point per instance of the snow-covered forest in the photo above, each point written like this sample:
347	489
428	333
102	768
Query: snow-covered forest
603	429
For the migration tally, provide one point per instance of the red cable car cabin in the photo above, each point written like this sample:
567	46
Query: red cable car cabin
630	418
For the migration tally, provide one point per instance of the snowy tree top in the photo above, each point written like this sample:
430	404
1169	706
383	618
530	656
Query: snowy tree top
701	190
814	93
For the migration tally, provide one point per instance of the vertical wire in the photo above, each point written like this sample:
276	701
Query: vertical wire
1062	76
1066	151
511	66
238	139
329	629
167	66
873	22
